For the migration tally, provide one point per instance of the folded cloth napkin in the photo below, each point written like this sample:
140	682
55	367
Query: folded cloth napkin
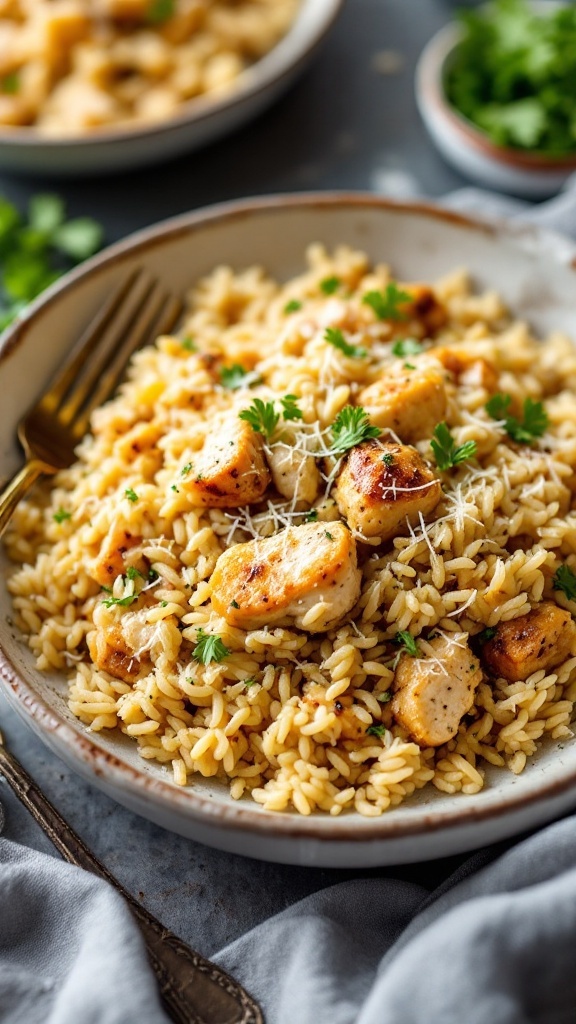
493	945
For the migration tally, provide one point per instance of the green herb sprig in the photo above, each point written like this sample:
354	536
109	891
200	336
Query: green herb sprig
334	337
533	424
209	647
262	417
446	452
350	428
564	579
386	305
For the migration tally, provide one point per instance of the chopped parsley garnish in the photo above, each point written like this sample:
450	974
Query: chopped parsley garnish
261	416
235	376
174	488
128	599
209	648
290	410
409	366
330	536
61	515
446	452
152	574
163	604
130	493
186	469
386	304
311	516
10	84
37	249
160	10
335	337
533	424
330	285
407	642
189	344
293	306
385	697
234	604
406	347
388	459
565	580
351	427
485	635
376	730
249	682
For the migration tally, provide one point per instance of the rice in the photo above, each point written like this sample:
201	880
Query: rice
289	717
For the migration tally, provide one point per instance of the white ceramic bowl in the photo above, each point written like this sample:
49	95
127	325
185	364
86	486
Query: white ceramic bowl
535	273
200	121
469	149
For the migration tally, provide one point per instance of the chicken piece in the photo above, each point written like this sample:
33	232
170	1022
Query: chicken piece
295	474
230	470
425	307
110	652
539	640
384	486
109	563
409	402
305	576
467	367
433	693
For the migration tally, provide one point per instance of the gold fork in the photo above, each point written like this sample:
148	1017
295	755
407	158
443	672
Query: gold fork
136	312
193	989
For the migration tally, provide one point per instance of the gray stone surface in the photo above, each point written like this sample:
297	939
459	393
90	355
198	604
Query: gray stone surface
345	125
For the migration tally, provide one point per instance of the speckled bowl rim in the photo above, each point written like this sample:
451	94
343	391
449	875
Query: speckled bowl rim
430	91
58	733
280	63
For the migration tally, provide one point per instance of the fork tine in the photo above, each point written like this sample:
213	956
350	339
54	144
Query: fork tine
86	343
156	316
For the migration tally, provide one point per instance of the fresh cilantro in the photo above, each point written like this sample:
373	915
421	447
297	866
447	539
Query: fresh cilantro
290	410
61	515
512	74
335	337
406	347
407	643
160	10
188	344
293	306
376	730
385	697
485	635
10	84
330	285
386	305
37	249
351	427
235	377
130	493
533	423
565	580
446	452
311	516
388	459
261	416
209	648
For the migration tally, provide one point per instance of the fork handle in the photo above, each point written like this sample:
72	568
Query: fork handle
18	487
194	990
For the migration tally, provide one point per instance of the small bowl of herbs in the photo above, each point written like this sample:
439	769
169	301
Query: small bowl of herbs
497	92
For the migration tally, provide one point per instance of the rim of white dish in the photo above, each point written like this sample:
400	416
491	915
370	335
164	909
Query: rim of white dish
312	22
431	96
53	726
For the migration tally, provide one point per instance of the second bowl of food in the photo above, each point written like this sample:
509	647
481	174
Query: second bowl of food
307	591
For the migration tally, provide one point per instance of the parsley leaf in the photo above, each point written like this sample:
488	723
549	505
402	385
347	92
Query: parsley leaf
335	337
160	10
388	459
209	648
446	452
407	642
188	344
376	730
235	376
292	306
290	410
128	599
186	469
61	515
351	427
407	347
330	285
486	634
386	304
533	424
261	416
565	580
131	494
385	697
311	516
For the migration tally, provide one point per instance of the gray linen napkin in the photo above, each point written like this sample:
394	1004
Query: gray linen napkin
493	945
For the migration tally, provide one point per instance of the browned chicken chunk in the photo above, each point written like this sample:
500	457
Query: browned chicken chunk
425	308
230	470
409	402
294	473
306	576
434	692
541	639
467	367
110	561
110	652
384	486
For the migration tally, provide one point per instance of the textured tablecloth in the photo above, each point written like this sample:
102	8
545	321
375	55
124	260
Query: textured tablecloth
493	945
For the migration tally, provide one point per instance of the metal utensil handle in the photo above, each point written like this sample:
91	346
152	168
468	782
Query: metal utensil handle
194	990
